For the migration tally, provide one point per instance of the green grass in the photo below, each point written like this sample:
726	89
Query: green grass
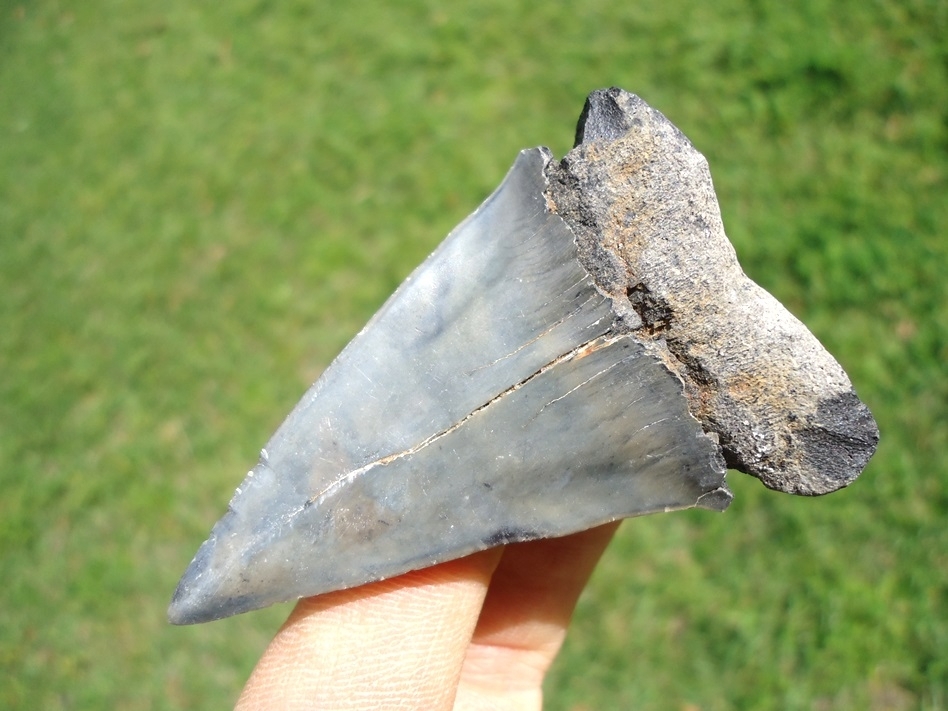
200	204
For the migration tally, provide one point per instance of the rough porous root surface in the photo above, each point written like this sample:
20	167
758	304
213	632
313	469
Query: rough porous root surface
640	200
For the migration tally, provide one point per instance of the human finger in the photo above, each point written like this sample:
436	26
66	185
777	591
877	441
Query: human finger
395	644
523	623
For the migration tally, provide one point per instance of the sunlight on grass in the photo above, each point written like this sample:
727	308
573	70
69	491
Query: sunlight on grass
200	206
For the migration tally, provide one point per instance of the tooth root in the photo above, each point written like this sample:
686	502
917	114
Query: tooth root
640	200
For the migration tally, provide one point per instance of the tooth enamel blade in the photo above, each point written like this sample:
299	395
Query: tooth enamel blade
495	397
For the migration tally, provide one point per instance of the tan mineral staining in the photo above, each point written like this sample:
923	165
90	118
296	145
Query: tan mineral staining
754	374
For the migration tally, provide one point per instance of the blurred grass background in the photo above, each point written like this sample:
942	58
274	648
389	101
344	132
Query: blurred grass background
200	204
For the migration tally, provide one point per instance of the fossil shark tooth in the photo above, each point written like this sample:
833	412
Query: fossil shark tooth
533	378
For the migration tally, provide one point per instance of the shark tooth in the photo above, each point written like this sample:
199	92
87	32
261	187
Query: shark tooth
582	348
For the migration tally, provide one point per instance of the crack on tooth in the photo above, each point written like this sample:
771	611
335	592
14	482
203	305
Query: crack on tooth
572	390
555	325
580	351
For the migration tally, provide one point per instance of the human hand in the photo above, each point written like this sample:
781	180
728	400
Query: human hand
475	633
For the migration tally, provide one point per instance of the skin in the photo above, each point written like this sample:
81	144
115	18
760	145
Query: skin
475	633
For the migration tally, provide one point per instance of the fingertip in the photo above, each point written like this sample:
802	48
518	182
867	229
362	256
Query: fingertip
397	643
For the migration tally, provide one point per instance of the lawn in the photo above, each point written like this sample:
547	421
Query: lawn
201	203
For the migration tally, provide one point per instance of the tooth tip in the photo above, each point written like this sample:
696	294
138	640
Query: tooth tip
188	605
192	604
217	582
198	596
181	610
